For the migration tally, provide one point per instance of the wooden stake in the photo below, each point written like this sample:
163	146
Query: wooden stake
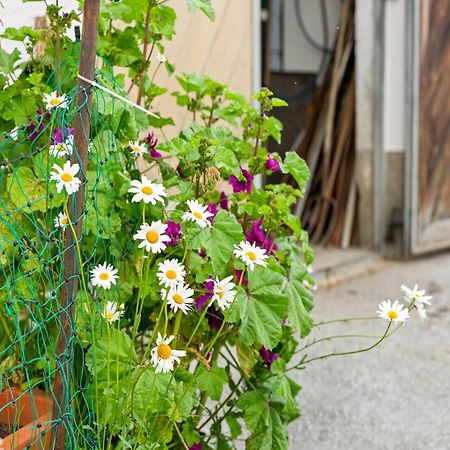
64	349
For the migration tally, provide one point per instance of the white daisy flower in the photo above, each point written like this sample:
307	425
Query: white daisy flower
61	221
223	292
14	133
251	254
54	100
136	148
415	295
393	312
179	297
65	177
164	357
152	236
147	191
161	58
104	275
60	149
197	213
171	272
111	312
421	311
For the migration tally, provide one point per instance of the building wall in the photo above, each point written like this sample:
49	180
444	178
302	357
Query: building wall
222	49
394	76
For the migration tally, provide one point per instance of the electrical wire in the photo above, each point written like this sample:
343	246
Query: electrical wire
325	52
301	24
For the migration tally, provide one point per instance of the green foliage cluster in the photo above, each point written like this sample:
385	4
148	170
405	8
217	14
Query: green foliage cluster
233	383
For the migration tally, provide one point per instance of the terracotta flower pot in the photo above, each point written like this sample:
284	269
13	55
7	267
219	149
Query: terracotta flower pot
32	411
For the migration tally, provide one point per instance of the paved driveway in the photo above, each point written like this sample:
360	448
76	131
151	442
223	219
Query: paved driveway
398	395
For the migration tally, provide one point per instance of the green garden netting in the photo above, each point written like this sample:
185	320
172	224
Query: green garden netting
32	271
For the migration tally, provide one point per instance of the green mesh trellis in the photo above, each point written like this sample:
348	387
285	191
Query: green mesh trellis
32	246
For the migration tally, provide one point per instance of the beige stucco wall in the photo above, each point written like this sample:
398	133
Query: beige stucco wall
220	49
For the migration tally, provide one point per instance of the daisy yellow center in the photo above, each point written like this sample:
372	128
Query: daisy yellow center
66	177
147	190
177	298
104	276
109	316
164	351
392	315
152	236
198	215
55	101
220	294
137	149
60	147
64	221
171	274
251	255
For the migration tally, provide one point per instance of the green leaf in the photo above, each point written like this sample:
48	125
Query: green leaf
255	406
287	389
262	309
212	381
25	188
297	167
203	5
224	158
111	354
263	420
278	102
300	300
218	240
246	357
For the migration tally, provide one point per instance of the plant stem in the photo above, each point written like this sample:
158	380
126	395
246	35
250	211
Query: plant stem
352	352
177	322
144	54
344	320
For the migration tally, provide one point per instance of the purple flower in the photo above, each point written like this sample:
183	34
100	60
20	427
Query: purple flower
196	446
242	186
213	209
257	236
61	134
238	275
152	142
215	318
34	130
272	164
203	299
173	231
202	253
268	357
223	200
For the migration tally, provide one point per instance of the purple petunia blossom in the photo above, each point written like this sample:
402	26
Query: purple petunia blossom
223	202
173	231
203	299
215	318
268	357
213	209
242	186
196	446
272	164
61	134
257	236
152	142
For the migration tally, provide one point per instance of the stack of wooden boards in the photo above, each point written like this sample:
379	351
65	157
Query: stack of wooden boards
329	207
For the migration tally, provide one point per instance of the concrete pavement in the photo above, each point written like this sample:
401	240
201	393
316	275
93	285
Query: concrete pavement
396	397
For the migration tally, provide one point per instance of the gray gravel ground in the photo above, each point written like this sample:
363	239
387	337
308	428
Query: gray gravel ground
398	395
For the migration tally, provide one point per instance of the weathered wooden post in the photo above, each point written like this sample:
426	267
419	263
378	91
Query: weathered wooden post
64	350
